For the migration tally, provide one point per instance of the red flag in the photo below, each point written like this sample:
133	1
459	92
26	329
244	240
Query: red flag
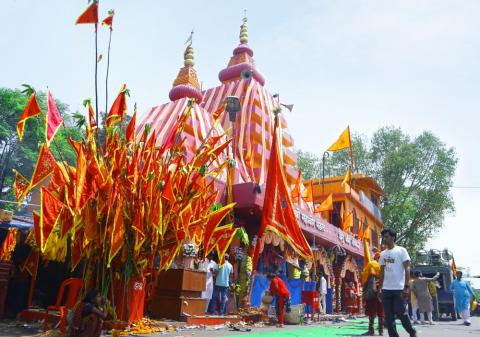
31	110
278	214
108	21
36	227
130	131
167	192
20	186
31	263
77	249
8	245
76	145
118	231
50	209
44	167
118	109
90	15
54	119
213	221
167	253
80	181
91	116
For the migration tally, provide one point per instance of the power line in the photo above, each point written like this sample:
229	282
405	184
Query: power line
472	187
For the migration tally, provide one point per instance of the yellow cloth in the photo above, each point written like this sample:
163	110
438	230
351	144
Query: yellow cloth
432	288
343	142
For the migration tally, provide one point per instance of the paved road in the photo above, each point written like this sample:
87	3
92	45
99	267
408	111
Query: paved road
353	328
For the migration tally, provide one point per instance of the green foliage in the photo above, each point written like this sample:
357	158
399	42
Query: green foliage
23	155
415	173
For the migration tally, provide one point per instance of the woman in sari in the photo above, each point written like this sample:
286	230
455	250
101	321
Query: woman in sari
88	316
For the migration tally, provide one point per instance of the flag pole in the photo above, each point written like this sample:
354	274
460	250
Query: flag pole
96	72
351	156
108	68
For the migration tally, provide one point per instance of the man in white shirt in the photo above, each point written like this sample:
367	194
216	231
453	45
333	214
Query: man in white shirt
323	293
210	266
394	283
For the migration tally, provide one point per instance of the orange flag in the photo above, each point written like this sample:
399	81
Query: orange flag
326	205
90	15
31	110
118	109
138	226
367	233
296	188
347	222
44	167
50	209
278	214
307	194
20	186
360	229
54	119
454	268
118	231
130	131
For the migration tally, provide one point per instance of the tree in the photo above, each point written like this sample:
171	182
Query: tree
23	155
415	173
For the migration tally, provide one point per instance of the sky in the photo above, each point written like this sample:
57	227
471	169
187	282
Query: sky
367	64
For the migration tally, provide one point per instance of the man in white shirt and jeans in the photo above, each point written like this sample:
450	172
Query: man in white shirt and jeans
394	283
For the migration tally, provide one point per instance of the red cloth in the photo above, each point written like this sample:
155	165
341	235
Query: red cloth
280	309
351	299
278	288
374	308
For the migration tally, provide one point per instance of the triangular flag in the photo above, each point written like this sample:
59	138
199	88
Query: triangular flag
90	15
31	110
343	142
54	119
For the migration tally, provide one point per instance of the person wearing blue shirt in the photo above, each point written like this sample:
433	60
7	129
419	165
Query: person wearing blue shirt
463	293
222	283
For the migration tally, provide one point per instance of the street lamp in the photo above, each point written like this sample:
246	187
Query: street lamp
233	106
326	154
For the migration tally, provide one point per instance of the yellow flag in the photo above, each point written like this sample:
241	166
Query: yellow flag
348	177
343	142
326	205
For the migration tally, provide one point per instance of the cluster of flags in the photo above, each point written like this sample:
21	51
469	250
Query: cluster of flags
127	198
90	16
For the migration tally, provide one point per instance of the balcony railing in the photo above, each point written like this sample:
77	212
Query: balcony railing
370	206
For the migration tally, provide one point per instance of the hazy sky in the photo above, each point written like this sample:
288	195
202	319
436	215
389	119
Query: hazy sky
367	64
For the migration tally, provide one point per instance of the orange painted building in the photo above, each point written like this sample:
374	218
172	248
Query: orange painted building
361	197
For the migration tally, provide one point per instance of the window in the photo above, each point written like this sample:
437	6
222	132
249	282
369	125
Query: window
336	216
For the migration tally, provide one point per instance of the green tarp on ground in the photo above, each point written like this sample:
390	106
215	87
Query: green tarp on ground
352	328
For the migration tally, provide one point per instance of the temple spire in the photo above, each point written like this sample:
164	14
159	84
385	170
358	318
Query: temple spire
244	30
186	83
241	64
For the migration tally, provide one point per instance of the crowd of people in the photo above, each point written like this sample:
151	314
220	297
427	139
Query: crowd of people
388	288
